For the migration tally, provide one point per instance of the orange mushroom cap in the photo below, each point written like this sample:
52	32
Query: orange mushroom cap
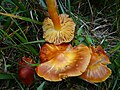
64	35
49	51
66	62
97	70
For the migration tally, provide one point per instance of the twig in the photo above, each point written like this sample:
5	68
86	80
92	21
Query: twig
90	10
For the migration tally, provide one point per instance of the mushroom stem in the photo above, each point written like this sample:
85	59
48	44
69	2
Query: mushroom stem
52	10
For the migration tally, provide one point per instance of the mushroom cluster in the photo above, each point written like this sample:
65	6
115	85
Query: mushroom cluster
60	60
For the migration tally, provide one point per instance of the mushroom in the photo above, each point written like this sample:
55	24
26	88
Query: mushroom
97	71
49	51
57	29
64	61
25	71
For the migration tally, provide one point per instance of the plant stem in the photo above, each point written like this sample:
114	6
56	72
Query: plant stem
52	10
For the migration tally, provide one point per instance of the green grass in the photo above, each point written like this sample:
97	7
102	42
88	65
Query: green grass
97	23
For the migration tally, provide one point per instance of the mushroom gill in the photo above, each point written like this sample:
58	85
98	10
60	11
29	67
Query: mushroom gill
57	29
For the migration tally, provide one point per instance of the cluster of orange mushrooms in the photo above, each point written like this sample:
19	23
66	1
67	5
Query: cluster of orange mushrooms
59	59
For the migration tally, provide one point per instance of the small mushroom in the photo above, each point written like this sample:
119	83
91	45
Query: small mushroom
49	51
57	29
25	71
97	71
64	61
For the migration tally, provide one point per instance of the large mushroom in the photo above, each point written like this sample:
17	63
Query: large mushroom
64	61
57	29
97	71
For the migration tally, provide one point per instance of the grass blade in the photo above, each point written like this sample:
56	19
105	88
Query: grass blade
21	18
32	42
18	4
19	36
18	82
41	86
8	36
43	4
89	40
6	76
69	6
116	48
61	7
115	83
